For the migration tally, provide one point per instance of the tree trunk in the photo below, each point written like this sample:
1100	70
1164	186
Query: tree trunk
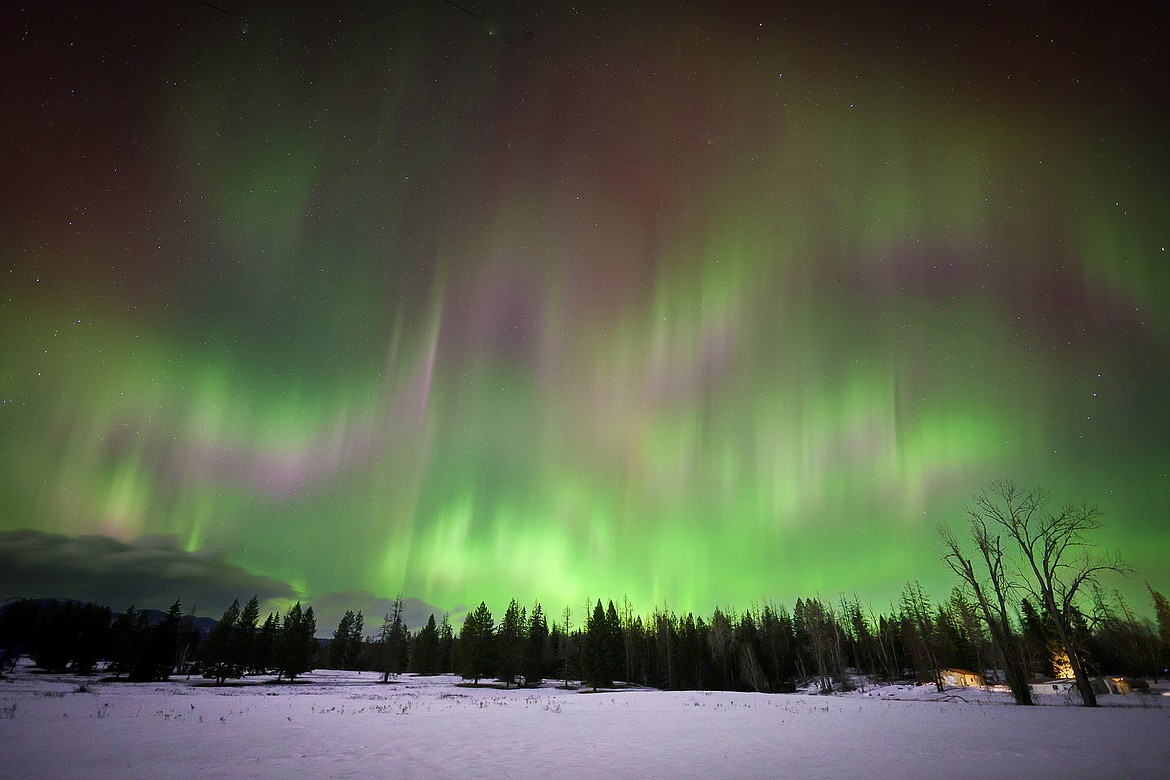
1084	685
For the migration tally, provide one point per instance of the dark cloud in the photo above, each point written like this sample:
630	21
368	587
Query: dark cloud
149	572
153	571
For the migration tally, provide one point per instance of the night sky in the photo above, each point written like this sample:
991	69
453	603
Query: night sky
699	303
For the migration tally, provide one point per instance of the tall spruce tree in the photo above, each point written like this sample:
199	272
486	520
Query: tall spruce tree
595	650
296	644
219	660
158	657
394	641
536	648
425	658
128	638
476	640
339	644
566	646
446	660
614	650
263	656
921	632
1040	644
245	635
509	655
353	647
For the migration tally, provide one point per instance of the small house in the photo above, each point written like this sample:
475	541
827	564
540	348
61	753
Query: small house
1119	685
960	678
1060	685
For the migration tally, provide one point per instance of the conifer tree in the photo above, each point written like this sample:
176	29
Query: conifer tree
967	618
263	657
536	648
719	642
296	644
245	635
122	643
509	648
339	644
394	641
921	631
614	651
425	658
353	647
566	649
158	658
219	662
446	658
1039	643
595	664
475	644
54	636
1121	641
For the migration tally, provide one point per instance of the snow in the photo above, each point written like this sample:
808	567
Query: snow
347	724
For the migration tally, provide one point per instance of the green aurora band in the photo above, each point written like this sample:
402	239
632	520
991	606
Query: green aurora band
627	305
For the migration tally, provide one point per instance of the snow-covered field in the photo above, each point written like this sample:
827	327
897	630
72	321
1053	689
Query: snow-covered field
345	724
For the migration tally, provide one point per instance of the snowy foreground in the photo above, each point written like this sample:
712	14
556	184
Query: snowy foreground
345	724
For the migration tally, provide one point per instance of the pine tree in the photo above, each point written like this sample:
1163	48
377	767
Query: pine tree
263	657
818	638
475	644
219	662
509	648
614	650
921	631
719	642
595	664
425	658
446	658
566	647
536	648
55	635
296	645
339	644
245	636
971	624
1121	642
776	628
158	658
665	633
394	641
122	643
353	647
1039	641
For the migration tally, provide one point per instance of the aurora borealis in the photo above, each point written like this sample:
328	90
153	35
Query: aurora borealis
695	305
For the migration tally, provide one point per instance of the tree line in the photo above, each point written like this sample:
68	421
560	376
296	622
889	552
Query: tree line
1029	605
139	646
766	648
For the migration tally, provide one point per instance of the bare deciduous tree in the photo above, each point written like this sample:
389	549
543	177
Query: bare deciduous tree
1058	557
991	589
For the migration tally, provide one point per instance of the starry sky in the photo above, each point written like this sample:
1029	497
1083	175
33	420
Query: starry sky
699	303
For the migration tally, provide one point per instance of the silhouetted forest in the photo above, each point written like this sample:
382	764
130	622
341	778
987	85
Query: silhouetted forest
820	643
